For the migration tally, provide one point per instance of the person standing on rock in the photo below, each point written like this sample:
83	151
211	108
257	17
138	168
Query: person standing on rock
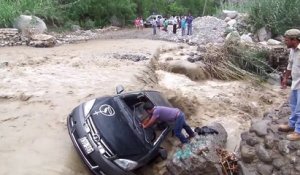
189	21
292	40
183	26
171	116
174	24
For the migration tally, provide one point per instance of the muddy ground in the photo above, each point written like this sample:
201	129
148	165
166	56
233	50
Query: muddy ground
40	86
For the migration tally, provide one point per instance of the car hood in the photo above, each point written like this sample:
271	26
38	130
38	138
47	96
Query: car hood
115	130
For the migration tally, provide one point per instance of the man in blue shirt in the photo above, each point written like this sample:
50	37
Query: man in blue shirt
169	115
189	21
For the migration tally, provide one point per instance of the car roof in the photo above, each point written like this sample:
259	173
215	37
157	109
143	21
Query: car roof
155	96
152	16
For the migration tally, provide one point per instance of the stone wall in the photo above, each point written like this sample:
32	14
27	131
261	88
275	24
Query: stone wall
266	151
10	37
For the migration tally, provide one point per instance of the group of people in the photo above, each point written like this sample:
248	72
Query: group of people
185	23
139	23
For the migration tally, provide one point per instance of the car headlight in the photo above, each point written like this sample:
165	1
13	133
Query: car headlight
126	164
88	106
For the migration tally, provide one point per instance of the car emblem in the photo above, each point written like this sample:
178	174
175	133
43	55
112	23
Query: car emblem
106	110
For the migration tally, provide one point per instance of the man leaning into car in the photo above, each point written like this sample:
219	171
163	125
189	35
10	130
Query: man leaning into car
169	115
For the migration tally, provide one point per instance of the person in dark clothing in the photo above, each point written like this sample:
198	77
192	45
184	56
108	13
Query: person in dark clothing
169	115
175	24
179	22
189	21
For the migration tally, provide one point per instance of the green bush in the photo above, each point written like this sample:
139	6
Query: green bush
7	13
89	24
100	11
45	9
276	15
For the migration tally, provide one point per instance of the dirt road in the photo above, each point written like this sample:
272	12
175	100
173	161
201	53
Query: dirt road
40	86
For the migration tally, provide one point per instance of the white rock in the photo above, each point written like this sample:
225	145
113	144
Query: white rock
29	25
263	43
246	38
263	34
230	14
273	42
227	19
233	37
231	23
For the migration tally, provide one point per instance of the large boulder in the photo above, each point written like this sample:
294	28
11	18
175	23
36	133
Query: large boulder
263	34
30	25
202	155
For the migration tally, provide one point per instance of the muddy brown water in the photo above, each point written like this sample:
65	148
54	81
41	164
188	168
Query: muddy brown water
40	86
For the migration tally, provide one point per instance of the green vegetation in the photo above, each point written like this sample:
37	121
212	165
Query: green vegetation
46	9
276	15
98	13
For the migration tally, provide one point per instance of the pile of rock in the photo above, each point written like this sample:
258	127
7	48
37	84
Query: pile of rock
200	156
206	29
132	57
10	37
81	35
266	151
239	22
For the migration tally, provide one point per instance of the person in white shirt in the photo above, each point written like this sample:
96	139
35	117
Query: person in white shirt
154	25
292	40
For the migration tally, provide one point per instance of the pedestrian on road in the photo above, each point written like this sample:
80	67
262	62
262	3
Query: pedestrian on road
154	25
292	40
171	116
141	26
136	22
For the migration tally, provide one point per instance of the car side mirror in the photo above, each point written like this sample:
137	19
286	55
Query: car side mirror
119	89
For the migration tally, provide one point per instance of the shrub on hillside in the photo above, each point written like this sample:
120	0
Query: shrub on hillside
276	15
47	10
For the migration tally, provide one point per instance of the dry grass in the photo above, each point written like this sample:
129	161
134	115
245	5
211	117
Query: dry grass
216	64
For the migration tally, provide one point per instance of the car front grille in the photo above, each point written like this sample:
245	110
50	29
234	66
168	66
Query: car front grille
87	158
98	140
